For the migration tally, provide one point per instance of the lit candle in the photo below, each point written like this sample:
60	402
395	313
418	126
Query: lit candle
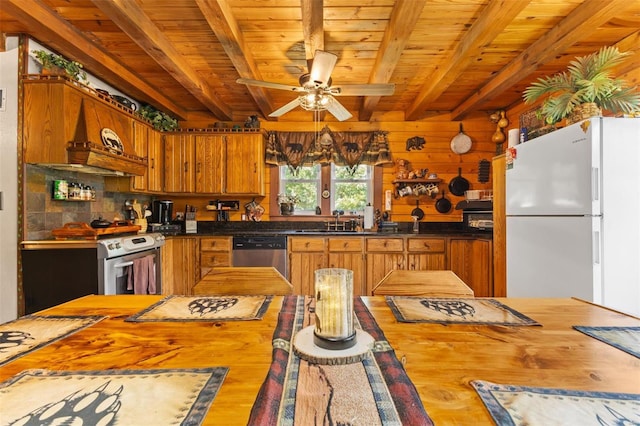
334	304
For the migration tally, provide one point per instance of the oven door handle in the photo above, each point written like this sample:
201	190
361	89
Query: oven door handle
123	264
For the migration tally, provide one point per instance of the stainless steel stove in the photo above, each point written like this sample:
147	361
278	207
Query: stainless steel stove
120	258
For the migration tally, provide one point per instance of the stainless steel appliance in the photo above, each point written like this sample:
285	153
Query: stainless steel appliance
162	211
117	256
261	251
477	215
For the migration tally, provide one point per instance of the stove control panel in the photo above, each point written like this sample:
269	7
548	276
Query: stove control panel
124	245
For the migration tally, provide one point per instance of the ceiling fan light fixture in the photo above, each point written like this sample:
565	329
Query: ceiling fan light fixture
315	101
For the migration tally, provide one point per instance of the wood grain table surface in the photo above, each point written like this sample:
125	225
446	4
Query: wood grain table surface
441	360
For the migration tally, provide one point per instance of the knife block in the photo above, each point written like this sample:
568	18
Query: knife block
190	223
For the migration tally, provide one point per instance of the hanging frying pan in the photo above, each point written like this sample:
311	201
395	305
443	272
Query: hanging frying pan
461	143
443	205
418	213
458	184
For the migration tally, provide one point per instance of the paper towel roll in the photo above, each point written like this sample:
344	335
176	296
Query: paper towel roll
514	137
368	217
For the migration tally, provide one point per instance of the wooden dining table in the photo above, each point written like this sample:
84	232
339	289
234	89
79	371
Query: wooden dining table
440	359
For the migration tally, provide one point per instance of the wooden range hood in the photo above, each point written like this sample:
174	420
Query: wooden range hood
63	127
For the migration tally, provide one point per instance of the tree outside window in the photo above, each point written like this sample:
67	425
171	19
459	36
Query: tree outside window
348	190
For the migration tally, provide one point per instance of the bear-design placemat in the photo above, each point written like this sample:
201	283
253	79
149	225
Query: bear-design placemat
455	311
123	397
31	332
205	308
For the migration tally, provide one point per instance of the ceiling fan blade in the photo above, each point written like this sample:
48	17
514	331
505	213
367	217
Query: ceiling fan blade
321	67
270	85
363	90
285	108
338	111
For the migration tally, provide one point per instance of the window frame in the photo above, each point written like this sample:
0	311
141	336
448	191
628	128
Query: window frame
325	204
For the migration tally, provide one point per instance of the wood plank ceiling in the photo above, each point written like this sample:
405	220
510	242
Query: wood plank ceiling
457	57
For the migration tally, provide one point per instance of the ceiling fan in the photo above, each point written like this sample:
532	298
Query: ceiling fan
316	92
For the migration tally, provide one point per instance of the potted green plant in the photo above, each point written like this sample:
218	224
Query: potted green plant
586	85
160	120
57	64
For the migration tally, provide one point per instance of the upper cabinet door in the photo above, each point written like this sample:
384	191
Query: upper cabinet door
155	154
140	148
209	164
179	155
245	164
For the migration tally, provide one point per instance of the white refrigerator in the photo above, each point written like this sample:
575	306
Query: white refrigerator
573	213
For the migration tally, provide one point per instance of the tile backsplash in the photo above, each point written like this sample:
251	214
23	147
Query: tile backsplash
43	213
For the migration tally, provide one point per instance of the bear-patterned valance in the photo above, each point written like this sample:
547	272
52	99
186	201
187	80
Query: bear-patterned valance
297	149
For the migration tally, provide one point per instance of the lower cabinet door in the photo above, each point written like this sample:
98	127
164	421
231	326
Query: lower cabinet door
471	260
179	266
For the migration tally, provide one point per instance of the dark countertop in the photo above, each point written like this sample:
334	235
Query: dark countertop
314	229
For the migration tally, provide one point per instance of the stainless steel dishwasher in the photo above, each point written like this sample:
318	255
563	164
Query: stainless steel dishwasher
261	251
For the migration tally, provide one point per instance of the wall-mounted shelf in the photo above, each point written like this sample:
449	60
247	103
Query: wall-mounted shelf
412	186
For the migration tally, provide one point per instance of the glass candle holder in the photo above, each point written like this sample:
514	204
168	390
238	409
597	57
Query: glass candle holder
334	309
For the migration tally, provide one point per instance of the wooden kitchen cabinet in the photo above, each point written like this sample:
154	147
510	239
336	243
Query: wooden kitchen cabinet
471	259
179	159
382	256
426	254
244	164
214	252
155	154
348	253
180	265
306	254
48	126
215	163
140	147
210	163
147	142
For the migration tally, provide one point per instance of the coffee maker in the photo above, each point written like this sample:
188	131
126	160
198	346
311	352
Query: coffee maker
162	212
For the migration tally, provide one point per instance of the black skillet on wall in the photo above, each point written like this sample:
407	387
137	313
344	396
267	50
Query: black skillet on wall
418	213
443	205
458	184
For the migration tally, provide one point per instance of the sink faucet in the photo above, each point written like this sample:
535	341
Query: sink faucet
337	214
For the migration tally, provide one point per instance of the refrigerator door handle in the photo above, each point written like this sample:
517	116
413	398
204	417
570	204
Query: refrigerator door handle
596	247
595	183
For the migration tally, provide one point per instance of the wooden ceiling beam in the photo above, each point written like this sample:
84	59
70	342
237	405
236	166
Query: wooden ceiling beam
492	20
312	27
586	18
132	20
313	32
222	22
629	44
50	29
402	22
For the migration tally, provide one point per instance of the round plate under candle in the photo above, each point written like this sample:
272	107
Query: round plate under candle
306	349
